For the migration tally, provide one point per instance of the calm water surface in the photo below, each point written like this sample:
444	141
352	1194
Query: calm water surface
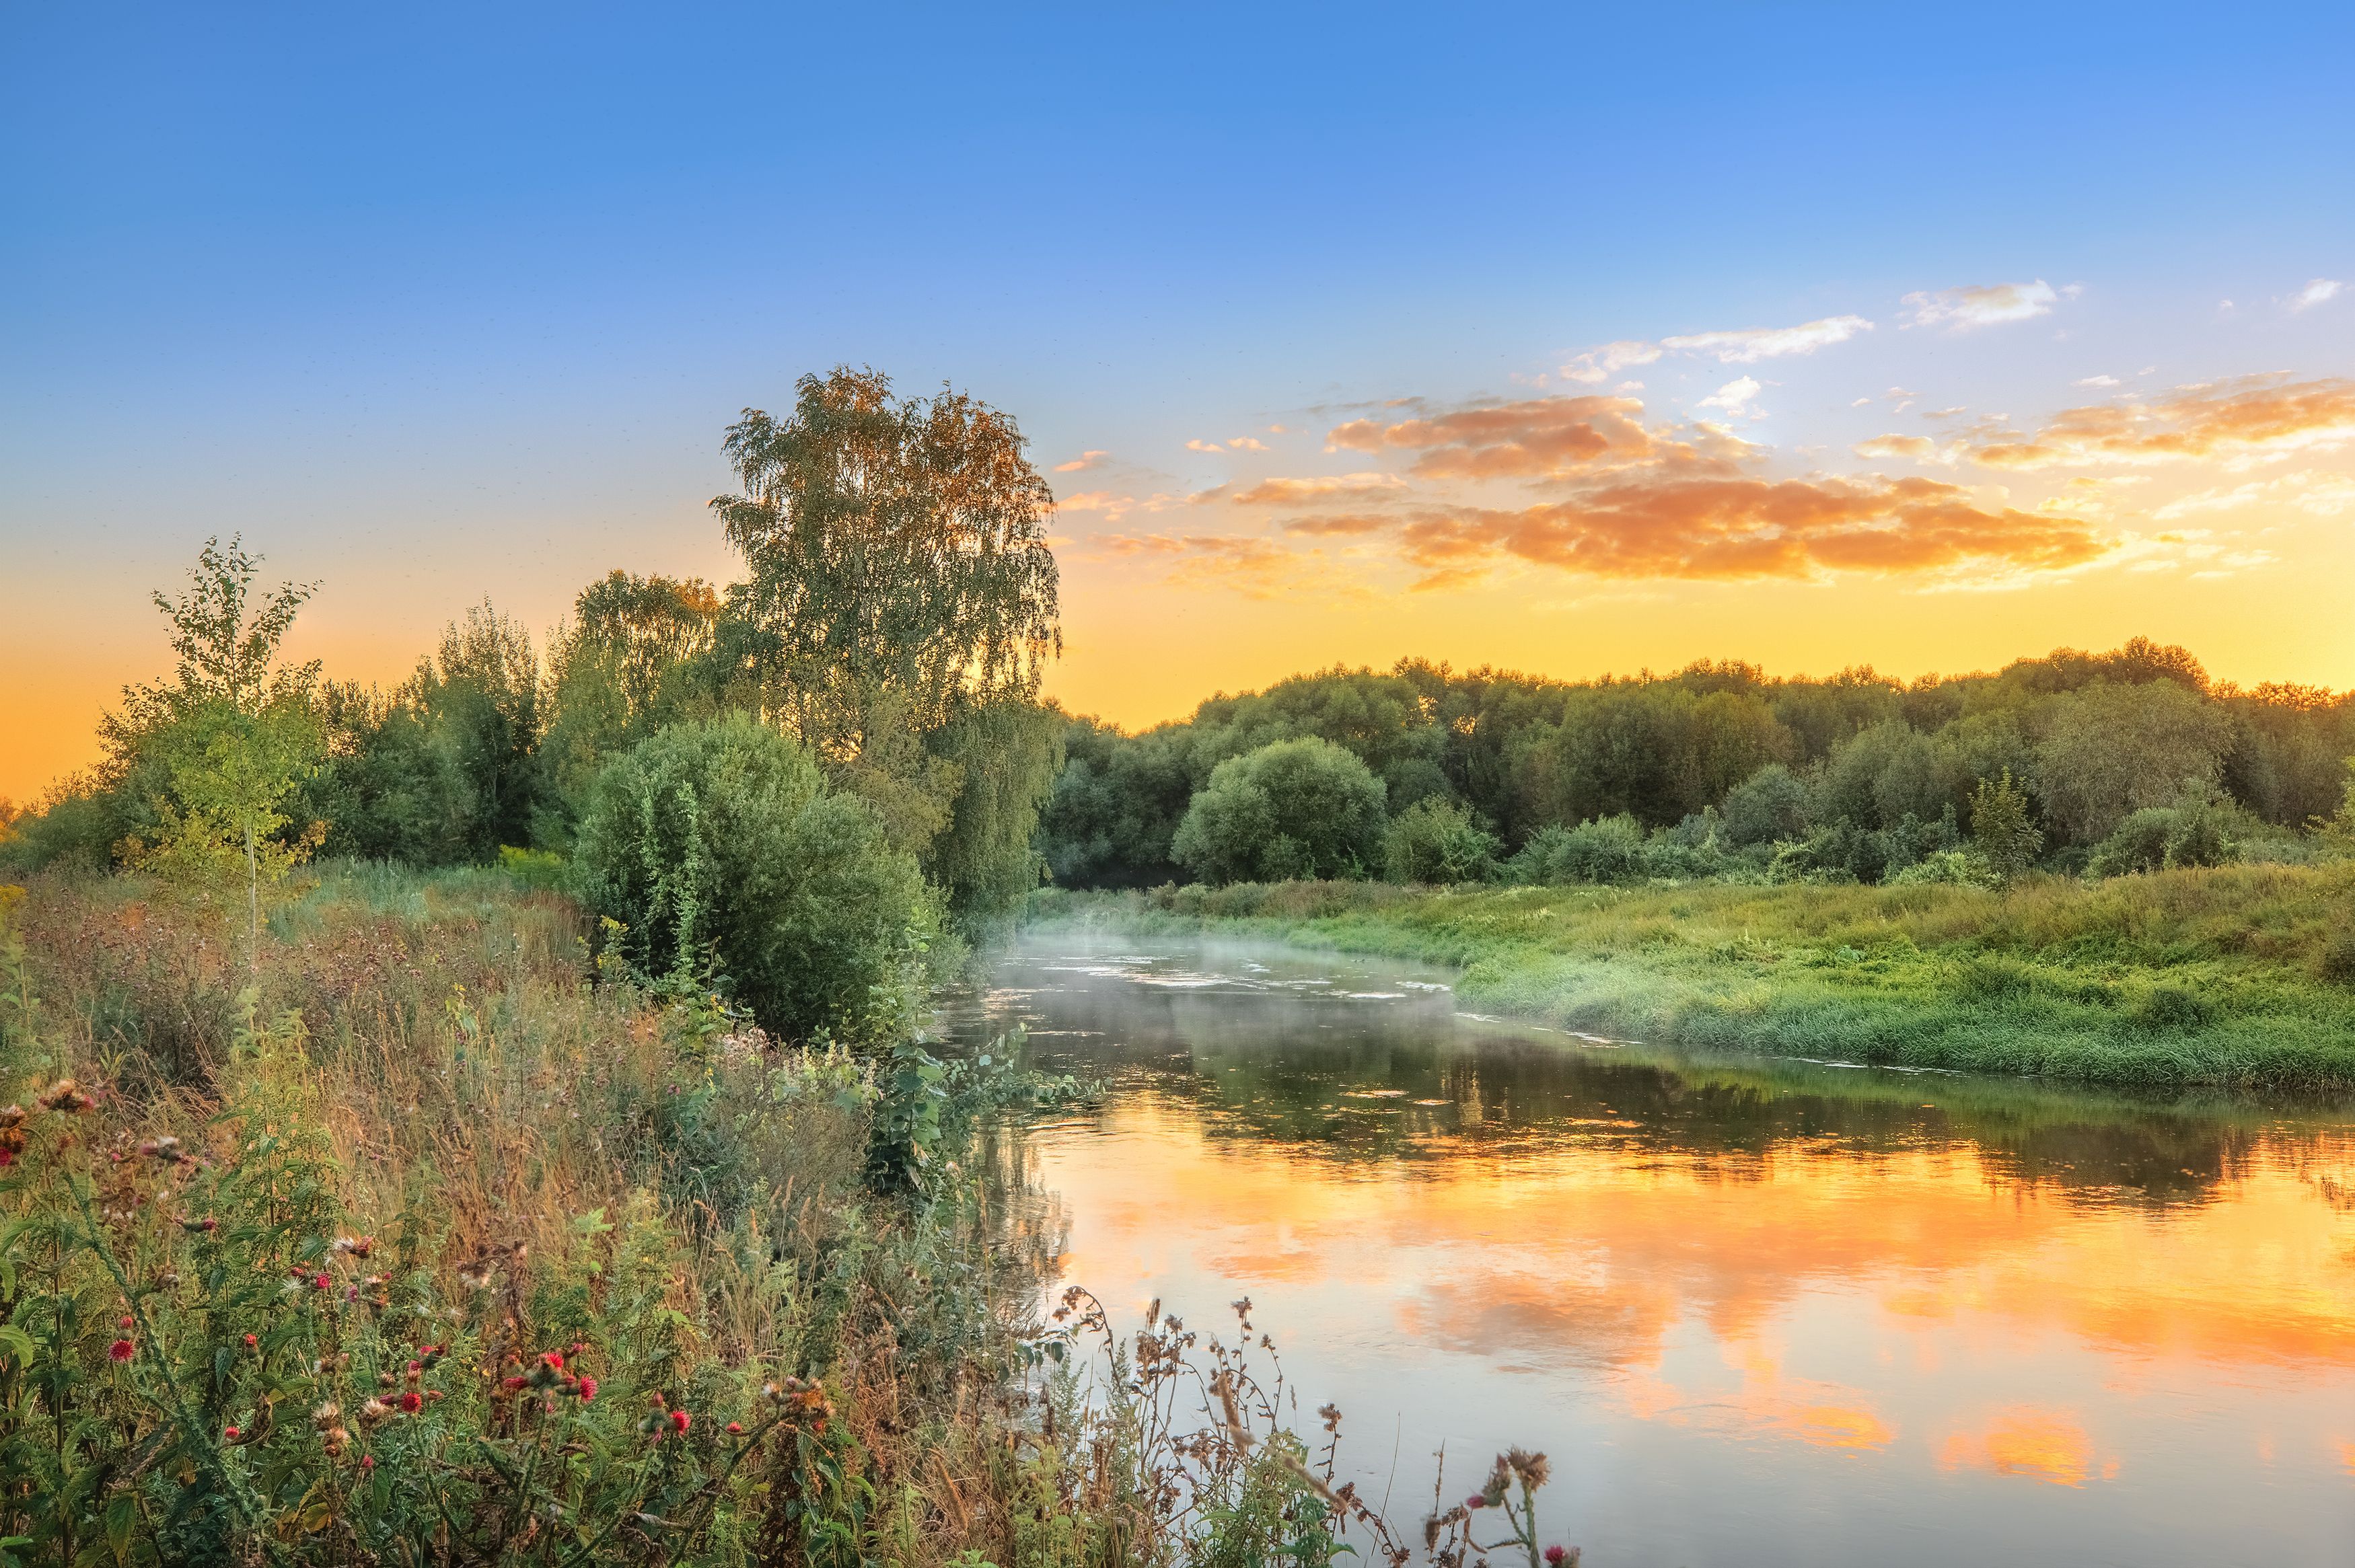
1758	1312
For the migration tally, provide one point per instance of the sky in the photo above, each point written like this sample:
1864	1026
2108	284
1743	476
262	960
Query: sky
1566	339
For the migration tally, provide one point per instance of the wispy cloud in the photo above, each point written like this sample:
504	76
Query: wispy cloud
1256	567
1238	444
2096	381
2239	421
1985	304
2320	292
1748	346
1326	488
1741	345
1537	436
1083	463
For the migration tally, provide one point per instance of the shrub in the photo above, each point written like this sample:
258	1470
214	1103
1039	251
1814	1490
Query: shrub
1295	809
1606	850
1771	804
2198	832
1964	868
1438	840
719	850
2000	828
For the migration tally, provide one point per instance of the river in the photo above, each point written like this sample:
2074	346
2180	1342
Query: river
1758	1311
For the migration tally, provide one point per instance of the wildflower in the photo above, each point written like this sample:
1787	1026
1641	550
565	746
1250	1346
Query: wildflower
65	1094
735	1429
251	1341
320	1282
412	1403
373	1411
588	1389
552	1360
124	1321
230	1432
207	1223
1555	1557
325	1414
1475	1501
367	1461
1533	1468
335	1440
121	1350
679	1421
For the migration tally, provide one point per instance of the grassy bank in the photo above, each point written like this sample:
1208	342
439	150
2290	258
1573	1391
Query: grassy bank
2240	976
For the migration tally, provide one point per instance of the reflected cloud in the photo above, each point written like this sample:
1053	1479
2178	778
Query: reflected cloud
2047	1446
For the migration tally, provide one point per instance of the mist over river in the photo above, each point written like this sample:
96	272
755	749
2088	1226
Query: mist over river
1758	1311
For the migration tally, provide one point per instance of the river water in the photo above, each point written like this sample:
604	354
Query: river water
1757	1311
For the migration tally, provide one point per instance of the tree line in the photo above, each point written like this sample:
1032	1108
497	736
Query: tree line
790	783
2078	762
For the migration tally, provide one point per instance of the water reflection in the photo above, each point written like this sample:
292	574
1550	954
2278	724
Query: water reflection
1766	1311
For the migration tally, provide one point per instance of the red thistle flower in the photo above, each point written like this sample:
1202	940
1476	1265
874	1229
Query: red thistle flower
553	1359
1555	1557
251	1341
124	1321
588	1389
735	1429
367	1461
122	1350
321	1282
7	1157
412	1403
230	1432
1475	1500
511	1384
680	1421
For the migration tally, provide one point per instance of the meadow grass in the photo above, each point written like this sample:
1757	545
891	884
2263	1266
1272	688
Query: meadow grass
2238	977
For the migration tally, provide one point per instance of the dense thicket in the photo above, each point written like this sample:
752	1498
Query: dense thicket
1720	769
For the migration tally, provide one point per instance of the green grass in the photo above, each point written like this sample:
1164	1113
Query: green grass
2238	977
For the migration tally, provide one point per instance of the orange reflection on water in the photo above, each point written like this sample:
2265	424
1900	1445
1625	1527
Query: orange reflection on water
1905	1279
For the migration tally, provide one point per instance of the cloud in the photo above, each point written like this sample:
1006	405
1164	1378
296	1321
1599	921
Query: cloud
1204	447
1537	436
1599	365
1083	463
2320	292
2096	381
1984	304
1684	521
1751	344
1744	345
1910	449
2317	494
1734	397
1327	487
1254	566
2246	421
1246	444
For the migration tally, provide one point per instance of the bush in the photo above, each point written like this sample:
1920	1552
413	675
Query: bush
1438	840
2198	832
1293	810
1771	804
719	848
1963	868
1606	850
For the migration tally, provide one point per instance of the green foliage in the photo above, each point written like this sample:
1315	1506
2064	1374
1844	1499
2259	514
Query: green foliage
1437	841
2001	829
1293	809
1771	804
2198	831
719	848
1608	850
897	548
2109	750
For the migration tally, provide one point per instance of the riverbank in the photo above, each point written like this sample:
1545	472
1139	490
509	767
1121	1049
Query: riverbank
2238	977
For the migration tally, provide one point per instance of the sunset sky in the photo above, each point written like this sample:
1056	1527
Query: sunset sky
1563	339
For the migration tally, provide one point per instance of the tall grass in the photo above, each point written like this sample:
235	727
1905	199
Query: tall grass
2235	976
431	1245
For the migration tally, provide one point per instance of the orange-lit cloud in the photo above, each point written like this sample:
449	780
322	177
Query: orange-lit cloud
1254	566
1912	449
1342	487
1537	436
1985	305
1668	524
1085	460
2242	420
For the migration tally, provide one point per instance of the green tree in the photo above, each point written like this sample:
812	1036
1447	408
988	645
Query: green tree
2002	828
480	697
1294	809
2111	750
720	847
223	744
896	546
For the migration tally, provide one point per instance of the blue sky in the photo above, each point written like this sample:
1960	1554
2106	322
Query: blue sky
436	302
